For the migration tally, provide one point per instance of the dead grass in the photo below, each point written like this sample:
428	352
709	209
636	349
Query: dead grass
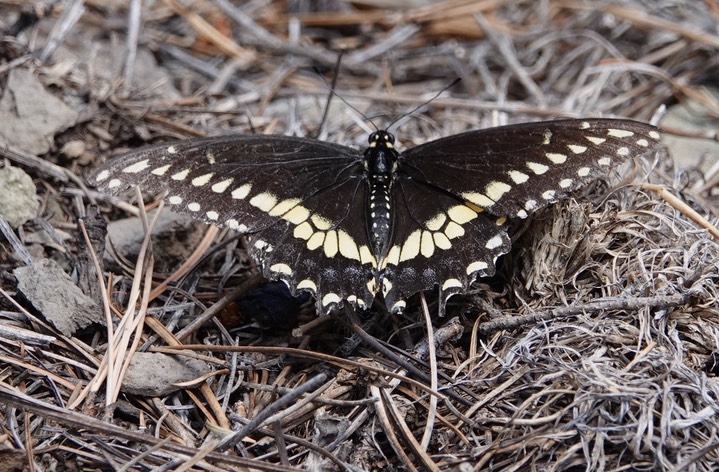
592	349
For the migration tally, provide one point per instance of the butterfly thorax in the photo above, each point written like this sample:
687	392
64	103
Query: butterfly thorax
380	163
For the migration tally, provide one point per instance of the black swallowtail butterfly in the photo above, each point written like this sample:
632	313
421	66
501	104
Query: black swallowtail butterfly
347	225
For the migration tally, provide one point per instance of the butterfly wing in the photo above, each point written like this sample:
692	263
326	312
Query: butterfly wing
302	200
455	194
514	170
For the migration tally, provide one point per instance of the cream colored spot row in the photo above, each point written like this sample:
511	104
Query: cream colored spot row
441	241
281	269
136	167
427	244
537	168
222	185
297	215
494	190
264	201
160	171
386	286
411	247
478	199
461	214
284	206
347	246
619	133
202	180
321	222
595	140
494	242
436	222
556	158
451	283
241	192
478	265
331	245
518	177
330	298
303	231
576	149
307	284
315	241
180	175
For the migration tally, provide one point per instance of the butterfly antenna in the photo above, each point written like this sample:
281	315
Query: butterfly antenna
331	91
423	104
334	94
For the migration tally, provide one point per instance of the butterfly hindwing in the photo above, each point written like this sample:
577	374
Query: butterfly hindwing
440	240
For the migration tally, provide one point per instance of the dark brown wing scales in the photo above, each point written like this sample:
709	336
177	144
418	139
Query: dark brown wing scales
307	205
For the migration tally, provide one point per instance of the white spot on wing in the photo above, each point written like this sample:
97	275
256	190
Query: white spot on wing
330	298
427	244
284	206
595	140
331	245
576	149
564	183
410	248
175	200
583	171
478	199
321	222
220	187
537	168
604	161
495	190
212	215
623	151
202	180
494	243
348	248
556	158
137	167
619	133
461	214
102	176
307	284
193	206
264	201
114	183
548	195
476	267
436	222
518	177
451	283
281	269
241	192
180	175
160	171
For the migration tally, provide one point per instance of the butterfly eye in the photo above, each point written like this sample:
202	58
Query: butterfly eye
373	138
389	138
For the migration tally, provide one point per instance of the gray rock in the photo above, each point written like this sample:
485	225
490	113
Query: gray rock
18	198
52	293
153	374
30	116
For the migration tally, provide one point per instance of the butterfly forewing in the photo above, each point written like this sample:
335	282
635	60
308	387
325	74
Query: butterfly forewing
514	170
312	211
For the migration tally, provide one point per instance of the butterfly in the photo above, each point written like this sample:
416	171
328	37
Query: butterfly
350	225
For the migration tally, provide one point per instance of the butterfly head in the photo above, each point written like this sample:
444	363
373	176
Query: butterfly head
381	139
